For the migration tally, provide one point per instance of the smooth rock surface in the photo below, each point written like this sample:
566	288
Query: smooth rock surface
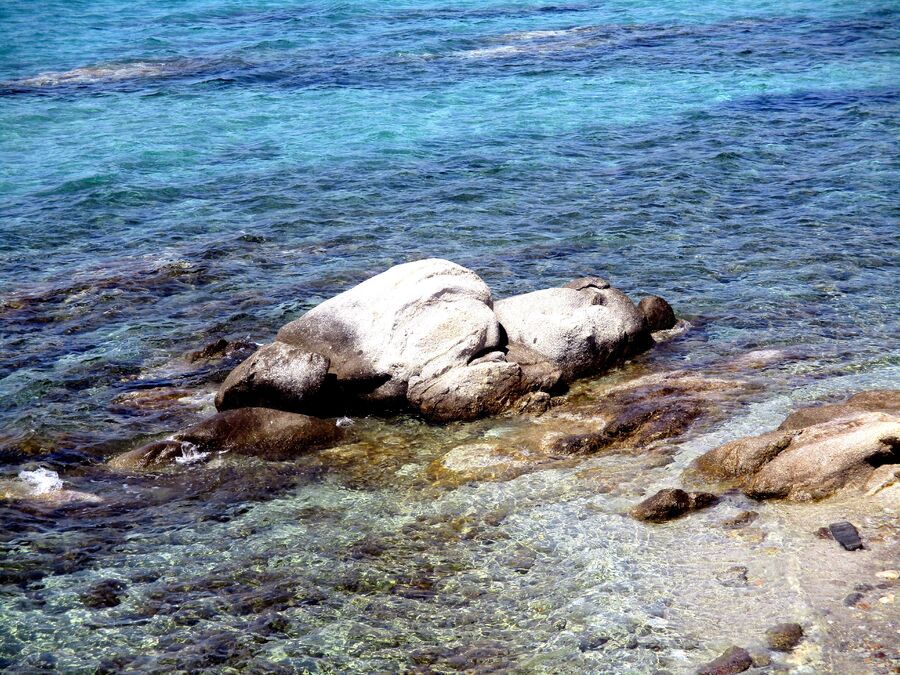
658	313
469	392
878	400
671	503
784	636
810	463
418	319
277	376
581	331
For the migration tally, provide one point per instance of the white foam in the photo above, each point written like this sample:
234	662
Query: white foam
190	454
41	481
344	422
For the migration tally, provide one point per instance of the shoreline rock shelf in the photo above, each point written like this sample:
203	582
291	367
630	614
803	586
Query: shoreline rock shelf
816	451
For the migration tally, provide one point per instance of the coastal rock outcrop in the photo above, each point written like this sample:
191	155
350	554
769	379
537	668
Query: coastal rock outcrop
428	336
815	452
259	432
581	329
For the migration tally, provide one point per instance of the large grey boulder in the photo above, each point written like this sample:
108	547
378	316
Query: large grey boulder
469	392
815	460
276	376
581	329
418	319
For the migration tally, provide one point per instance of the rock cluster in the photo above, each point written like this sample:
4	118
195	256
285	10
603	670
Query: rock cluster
816	451
425	337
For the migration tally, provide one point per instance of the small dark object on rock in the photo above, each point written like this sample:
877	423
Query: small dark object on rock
824	533
846	535
107	593
734	577
784	637
658	313
853	599
733	660
742	519
671	503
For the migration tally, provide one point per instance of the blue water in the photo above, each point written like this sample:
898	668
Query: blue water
176	172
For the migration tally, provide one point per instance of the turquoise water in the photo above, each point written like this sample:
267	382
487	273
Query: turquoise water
172	173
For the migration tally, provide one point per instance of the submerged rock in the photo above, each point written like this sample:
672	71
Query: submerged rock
671	503
258	432
648	410
811	462
582	329
276	376
784	636
103	594
733	660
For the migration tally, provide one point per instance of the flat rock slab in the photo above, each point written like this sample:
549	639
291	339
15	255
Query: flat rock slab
815	461
846	535
258	432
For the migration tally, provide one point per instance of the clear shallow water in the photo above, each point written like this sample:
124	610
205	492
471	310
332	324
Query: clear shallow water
171	174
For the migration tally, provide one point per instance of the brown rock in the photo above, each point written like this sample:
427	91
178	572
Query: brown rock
258	432
648	410
887	401
670	503
784	637
742	519
658	313
814	461
733	660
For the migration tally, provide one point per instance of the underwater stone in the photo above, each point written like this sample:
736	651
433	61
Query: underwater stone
258	432
733	660
106	593
671	503
784	636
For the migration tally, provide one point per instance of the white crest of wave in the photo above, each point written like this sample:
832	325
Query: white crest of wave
41	481
190	454
102	73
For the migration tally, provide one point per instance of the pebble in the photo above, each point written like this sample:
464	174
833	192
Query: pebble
846	535
888	574
887	599
784	636
733	660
